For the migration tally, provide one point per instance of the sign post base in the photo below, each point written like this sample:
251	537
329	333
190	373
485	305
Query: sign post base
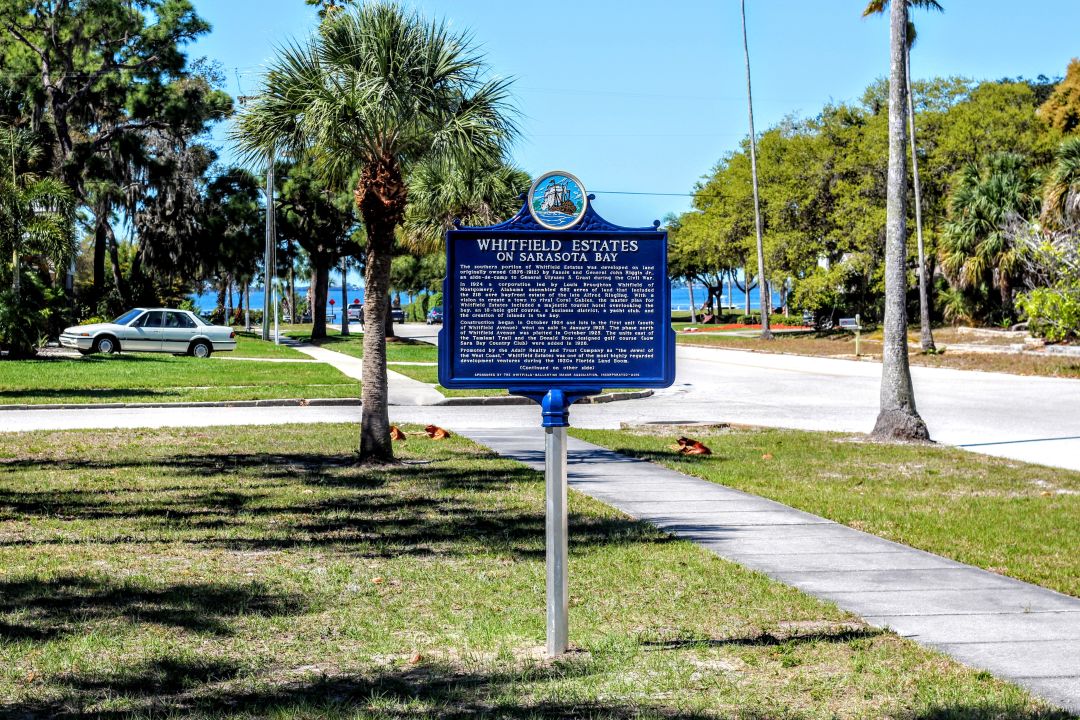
558	598
555	405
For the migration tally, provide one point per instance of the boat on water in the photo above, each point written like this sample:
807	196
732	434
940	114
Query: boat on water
557	199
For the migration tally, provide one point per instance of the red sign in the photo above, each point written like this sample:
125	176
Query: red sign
355	301
331	301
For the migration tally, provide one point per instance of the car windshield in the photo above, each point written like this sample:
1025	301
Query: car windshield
199	320
127	317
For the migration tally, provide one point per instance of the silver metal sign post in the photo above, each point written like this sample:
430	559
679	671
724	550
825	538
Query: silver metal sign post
557	593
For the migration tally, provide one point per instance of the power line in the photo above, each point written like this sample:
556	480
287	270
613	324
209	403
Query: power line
629	192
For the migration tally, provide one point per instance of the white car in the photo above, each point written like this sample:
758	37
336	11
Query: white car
151	330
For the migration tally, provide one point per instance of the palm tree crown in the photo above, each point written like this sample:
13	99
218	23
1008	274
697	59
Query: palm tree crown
440	193
36	213
1061	203
377	90
978	246
374	93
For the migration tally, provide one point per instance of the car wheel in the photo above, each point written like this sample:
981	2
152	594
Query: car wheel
201	349
106	344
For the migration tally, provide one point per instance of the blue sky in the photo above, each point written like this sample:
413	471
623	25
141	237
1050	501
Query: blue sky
645	97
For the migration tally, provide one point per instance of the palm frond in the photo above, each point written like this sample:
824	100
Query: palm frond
377	85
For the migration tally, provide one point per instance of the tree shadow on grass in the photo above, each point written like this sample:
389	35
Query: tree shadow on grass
656	457
85	395
128	356
151	679
214	688
836	635
989	711
40	610
170	688
431	509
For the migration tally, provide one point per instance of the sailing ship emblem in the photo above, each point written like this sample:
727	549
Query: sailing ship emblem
557	200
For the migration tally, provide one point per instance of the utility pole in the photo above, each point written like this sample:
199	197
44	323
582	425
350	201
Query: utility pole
270	252
764	296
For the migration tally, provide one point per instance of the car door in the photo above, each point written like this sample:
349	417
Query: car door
177	332
144	335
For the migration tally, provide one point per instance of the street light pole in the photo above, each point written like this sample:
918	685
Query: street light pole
558	595
269	256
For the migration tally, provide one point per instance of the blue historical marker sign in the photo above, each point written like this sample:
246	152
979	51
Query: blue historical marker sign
556	299
556	304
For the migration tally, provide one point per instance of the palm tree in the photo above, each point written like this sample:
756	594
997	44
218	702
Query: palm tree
898	419
987	204
926	334
764	296
1061	201
373	93
476	194
36	213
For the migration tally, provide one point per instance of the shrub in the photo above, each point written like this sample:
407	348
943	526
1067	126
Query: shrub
755	319
27	322
1053	313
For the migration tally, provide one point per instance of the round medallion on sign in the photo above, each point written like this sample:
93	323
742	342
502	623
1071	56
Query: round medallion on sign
557	200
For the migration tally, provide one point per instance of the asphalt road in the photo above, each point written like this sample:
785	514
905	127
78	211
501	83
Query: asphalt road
1025	418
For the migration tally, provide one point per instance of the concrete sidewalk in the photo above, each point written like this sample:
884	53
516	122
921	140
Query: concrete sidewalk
1015	630
403	390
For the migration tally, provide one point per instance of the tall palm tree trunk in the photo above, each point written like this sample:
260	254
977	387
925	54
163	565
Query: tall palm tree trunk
16	283
292	290
745	287
318	300
926	335
375	418
763	285
898	419
381	196
345	296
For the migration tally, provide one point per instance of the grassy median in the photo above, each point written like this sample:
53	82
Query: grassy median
1010	517
839	344
244	573
397	350
158	377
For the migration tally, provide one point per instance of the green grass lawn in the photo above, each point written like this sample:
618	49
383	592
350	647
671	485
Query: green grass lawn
400	350
842	344
241	573
157	377
430	374
1009	517
251	345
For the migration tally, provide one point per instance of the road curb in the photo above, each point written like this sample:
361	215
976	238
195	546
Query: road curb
518	400
207	404
313	402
